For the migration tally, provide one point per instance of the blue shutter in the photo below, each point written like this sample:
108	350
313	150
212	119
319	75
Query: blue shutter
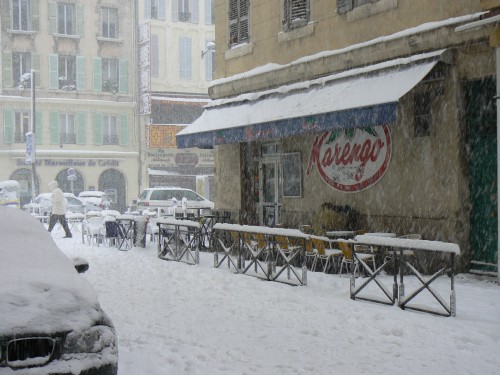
97	81
195	11
8	126
53	71
175	10
80	72
7	69
147	9
52	17
35	15
97	129
80	16
81	128
185	58
54	127
162	10
123	78
123	140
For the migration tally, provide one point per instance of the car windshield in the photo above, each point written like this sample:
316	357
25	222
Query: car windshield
164	195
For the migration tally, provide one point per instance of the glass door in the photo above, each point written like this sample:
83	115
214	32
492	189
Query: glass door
270	192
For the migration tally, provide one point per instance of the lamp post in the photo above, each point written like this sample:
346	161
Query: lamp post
30	138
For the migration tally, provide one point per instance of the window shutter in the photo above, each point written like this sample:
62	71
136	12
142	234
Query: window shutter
344	6
81	128
155	65
123	129
162	14
299	10
7	69
38	128
6	20
80	15
52	17
35	65
80	73
175	10
185	58
286	14
97	129
147	9
244	21
97	81
53	71
54	127
123	79
233	22
35	15
8	126
195	11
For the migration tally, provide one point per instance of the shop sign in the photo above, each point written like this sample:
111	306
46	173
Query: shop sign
352	160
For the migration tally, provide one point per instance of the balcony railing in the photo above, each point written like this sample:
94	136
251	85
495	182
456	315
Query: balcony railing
67	138
110	139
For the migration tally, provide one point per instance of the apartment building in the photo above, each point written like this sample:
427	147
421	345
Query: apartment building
175	69
85	128
385	108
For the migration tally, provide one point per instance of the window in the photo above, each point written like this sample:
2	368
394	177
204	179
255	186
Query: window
292	175
209	12
185	58
154	9
67	128
185	10
109	133
423	115
21	69
67	72
21	15
110	75
109	23
21	126
296	13
66	19
344	6
238	21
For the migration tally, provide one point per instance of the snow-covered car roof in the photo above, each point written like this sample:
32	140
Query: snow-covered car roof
92	193
40	290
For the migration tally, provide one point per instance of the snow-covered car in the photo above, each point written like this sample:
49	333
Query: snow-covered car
163	198
42	204
51	321
97	198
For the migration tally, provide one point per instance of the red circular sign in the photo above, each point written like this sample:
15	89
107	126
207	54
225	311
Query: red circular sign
352	160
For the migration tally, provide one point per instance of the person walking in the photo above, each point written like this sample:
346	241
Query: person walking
58	209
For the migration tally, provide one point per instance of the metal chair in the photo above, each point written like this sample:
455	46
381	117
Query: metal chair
351	260
325	255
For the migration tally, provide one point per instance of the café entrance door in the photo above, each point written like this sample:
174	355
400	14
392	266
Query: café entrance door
270	191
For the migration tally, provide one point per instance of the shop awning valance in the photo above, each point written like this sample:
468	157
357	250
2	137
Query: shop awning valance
357	98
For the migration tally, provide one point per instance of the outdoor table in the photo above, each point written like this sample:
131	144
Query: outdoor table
239	244
75	220
179	240
398	293
125	225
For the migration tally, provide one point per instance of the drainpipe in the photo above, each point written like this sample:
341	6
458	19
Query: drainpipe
497	55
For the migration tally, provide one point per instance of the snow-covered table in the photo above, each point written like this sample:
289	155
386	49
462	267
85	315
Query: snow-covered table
398	291
179	240
258	245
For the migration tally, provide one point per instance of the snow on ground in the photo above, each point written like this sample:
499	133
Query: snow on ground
173	318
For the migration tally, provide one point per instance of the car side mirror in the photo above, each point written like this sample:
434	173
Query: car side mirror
81	265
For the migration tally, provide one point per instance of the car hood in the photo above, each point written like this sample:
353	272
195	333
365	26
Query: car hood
40	290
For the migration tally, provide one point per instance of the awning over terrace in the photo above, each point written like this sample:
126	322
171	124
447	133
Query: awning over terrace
352	99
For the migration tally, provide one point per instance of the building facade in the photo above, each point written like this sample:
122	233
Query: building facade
175	69
382	109
82	54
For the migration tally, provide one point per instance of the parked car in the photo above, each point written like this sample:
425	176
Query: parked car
163	197
51	321
97	198
42	204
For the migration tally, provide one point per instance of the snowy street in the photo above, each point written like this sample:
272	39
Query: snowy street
173	318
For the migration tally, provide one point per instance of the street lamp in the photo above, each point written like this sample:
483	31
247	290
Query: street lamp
30	137
209	47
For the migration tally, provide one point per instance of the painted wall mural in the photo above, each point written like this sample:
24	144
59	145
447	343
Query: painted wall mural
352	160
